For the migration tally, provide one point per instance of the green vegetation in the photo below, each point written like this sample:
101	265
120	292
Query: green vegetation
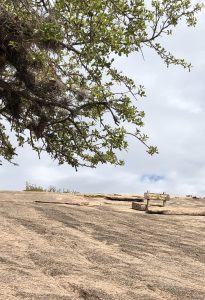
58	75
52	189
34	188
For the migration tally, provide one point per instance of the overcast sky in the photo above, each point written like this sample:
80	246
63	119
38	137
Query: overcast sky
174	107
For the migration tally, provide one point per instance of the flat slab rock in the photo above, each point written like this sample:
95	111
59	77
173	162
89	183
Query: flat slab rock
117	197
99	252
125	198
186	211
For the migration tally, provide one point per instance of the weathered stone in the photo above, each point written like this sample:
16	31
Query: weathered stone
138	206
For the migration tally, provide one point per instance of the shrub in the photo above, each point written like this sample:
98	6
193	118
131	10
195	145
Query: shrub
33	188
51	189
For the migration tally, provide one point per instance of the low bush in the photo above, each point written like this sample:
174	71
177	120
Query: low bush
52	189
33	188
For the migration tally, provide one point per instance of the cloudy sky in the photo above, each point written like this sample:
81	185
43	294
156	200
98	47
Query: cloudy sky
175	122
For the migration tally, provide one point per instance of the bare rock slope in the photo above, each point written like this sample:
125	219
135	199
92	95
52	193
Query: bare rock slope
63	246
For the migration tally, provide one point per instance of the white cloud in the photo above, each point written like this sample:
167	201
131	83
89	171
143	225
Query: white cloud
46	175
186	106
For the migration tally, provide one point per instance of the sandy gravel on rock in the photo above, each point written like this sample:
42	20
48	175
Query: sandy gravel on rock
51	248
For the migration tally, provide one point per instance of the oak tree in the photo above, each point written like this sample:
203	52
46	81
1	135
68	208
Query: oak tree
60	90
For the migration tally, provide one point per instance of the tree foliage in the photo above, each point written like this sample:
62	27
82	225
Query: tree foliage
58	79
